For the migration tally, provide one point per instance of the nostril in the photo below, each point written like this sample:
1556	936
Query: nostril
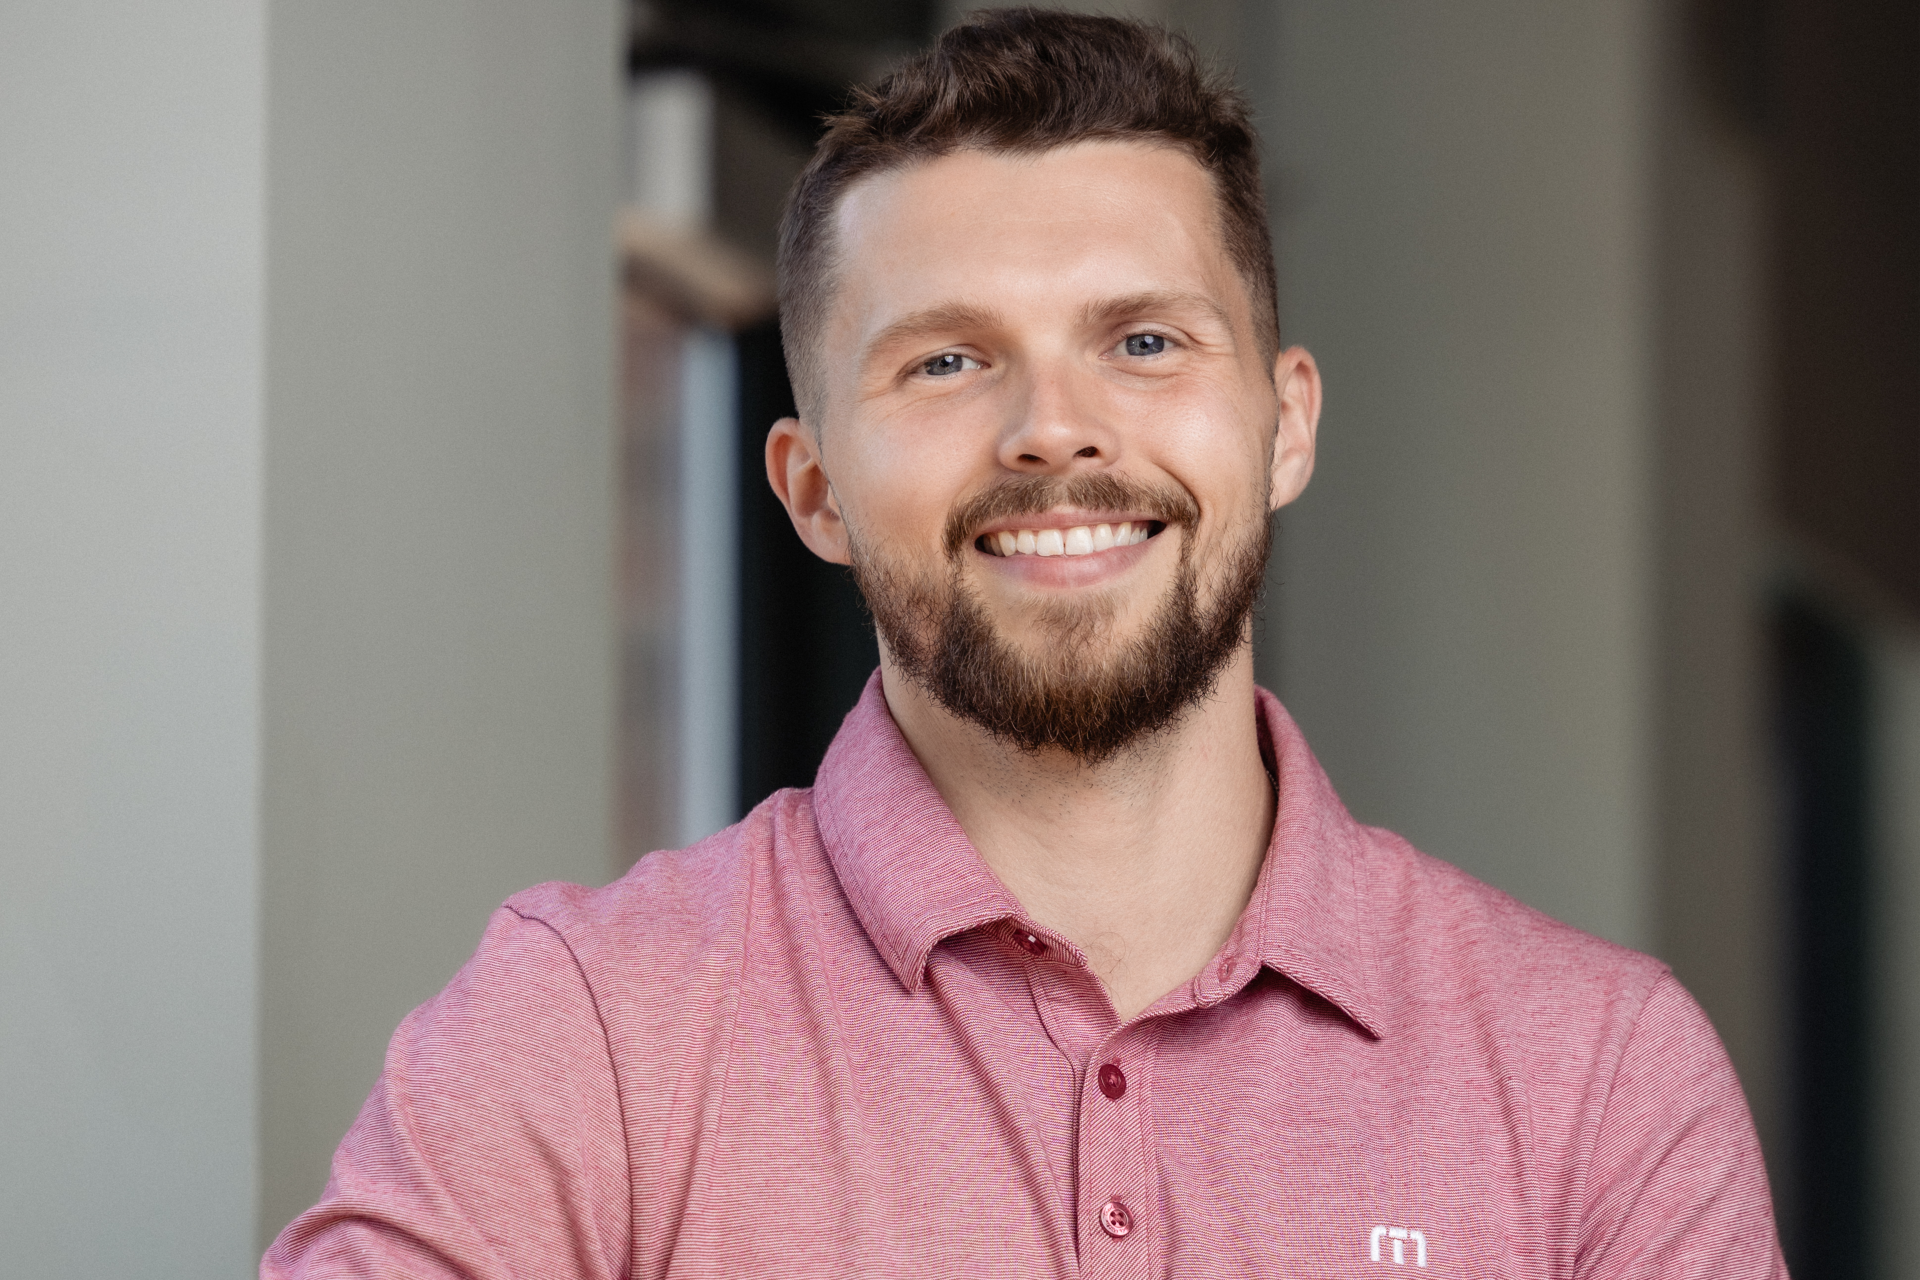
1088	452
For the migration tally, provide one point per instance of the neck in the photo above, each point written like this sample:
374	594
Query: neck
1144	861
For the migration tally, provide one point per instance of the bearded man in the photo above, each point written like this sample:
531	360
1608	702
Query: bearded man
1070	963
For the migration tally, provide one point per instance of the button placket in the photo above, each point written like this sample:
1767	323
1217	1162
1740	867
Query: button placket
1117	1177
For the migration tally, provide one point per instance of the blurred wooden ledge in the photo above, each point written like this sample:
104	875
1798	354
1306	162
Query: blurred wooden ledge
692	272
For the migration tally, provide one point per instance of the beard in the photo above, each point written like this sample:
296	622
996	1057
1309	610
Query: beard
1068	697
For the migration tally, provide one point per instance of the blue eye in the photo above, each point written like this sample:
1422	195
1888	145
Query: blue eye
950	362
1145	344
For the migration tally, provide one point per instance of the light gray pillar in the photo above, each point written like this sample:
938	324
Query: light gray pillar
131	228
709	711
440	482
1895	795
306	488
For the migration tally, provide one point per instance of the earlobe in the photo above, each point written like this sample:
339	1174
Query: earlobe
799	480
1296	380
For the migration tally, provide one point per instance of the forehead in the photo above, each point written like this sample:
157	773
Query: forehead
1028	233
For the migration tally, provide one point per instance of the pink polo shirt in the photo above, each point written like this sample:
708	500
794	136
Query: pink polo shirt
828	1042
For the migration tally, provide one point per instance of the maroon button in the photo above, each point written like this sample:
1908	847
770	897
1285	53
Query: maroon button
1113	1081
1227	965
1114	1219
1030	944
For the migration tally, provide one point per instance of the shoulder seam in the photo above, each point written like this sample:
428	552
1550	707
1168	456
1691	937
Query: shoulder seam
613	1066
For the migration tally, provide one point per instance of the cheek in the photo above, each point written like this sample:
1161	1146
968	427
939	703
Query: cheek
1219	454
899	495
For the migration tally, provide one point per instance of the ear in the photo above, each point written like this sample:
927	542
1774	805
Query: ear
1296	379
800	481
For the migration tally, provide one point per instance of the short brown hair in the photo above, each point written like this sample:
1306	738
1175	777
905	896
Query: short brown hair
1024	80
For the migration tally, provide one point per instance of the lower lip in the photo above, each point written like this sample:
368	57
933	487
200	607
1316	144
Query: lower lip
1092	569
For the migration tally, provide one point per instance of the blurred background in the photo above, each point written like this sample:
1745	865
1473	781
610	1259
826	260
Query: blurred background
382	527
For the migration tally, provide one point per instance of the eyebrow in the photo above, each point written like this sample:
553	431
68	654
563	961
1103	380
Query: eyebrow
937	319
1107	310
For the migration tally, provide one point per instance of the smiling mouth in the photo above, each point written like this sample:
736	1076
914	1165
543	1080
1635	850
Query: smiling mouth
1080	540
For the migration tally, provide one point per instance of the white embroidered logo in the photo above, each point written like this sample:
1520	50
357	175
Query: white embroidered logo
1398	1237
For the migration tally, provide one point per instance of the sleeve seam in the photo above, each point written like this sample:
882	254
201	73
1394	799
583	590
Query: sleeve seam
1661	975
613	1070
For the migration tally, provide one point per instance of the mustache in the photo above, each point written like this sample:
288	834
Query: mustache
1093	491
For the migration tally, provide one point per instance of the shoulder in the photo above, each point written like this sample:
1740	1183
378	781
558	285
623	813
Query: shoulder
1579	1064
1613	1074
675	910
661	957
1483	985
1441	934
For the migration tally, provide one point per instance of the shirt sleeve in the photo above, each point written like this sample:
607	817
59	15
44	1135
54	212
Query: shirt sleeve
492	1146
1676	1186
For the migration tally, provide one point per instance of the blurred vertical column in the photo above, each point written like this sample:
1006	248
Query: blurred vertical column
708	785
132	292
438	671
682	421
1894	785
687	290
305	655
740	669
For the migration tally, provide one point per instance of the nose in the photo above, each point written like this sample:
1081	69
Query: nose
1057	425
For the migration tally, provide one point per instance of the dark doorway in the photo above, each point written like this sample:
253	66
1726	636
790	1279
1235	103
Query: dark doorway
806	645
1822	727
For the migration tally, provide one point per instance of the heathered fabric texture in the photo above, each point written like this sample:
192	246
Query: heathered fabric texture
820	1044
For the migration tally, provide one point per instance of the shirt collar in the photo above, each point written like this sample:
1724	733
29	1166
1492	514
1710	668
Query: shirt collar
914	879
1308	917
909	871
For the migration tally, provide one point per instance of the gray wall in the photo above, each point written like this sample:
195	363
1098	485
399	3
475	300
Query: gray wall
306	489
439	691
1518	611
1462	615
130	383
1895	792
1718	880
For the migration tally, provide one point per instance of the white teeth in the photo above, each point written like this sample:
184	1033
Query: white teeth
1081	540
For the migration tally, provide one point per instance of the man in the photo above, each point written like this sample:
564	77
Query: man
1070	962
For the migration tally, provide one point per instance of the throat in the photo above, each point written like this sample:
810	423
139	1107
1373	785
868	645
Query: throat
1146	862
